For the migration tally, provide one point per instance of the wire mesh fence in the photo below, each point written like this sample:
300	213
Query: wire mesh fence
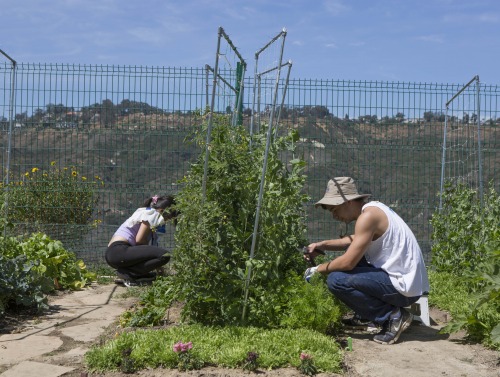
121	133
462	152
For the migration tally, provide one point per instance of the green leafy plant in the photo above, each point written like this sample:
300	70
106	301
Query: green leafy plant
481	317
214	239
52	261
20	284
311	305
214	233
463	228
42	200
450	292
217	346
466	243
56	262
152	304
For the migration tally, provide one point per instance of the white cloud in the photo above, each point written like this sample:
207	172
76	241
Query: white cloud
489	17
331	45
430	38
147	35
335	7
298	43
471	17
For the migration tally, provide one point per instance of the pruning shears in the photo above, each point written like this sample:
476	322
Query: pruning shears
303	250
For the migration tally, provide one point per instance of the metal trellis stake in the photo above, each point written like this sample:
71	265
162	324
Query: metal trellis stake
9	142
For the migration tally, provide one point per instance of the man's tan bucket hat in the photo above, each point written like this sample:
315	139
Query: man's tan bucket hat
339	190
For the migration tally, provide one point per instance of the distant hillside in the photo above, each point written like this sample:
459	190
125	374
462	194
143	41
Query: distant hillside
140	154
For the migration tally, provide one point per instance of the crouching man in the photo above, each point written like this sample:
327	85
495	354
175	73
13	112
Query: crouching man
382	270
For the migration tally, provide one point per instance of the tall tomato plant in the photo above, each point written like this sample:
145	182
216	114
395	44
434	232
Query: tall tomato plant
463	228
214	234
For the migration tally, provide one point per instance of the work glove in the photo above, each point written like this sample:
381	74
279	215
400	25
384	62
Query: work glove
309	273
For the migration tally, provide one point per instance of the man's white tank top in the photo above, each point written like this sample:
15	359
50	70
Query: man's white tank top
398	253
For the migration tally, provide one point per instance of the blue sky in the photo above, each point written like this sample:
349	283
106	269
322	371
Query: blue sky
432	41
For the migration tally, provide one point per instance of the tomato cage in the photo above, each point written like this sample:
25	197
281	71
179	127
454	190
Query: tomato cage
229	67
462	154
9	140
265	104
268	97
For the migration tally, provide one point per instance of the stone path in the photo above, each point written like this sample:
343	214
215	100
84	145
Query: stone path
62	337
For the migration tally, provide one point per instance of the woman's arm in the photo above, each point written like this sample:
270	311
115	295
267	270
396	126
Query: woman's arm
143	235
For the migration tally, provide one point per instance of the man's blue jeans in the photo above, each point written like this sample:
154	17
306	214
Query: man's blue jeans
368	291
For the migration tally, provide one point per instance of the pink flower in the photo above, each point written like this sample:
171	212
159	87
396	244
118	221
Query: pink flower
186	347
182	347
305	356
177	347
154	199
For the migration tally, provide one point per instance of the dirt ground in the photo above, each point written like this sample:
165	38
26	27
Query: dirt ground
421	351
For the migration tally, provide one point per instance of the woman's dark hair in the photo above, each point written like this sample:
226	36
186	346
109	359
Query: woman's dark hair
163	202
160	202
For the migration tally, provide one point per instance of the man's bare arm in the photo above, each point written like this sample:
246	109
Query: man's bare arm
366	226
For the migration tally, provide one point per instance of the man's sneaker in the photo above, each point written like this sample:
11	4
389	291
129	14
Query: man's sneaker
360	324
393	328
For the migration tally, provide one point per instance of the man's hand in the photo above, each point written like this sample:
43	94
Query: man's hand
309	273
311	252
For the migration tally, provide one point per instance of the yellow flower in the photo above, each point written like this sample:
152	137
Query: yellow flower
27	174
52	163
84	178
97	177
34	170
74	173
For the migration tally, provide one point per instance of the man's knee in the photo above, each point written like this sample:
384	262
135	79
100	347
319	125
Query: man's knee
337	281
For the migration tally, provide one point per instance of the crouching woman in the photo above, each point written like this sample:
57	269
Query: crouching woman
132	250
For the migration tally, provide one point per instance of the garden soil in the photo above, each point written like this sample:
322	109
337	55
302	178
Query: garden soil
53	345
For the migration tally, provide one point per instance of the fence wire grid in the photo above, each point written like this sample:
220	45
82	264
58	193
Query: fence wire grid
124	128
